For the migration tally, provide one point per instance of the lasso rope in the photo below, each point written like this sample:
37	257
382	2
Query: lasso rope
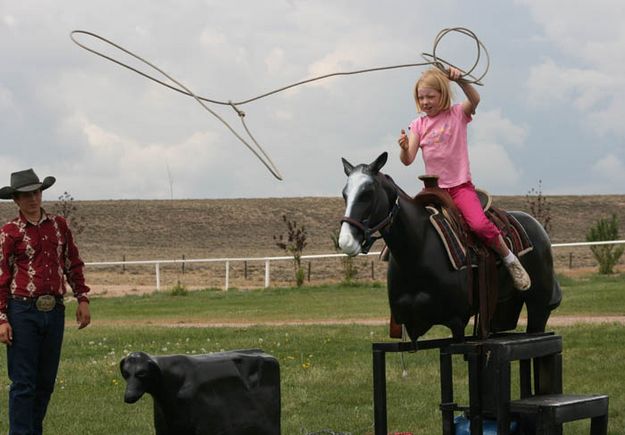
256	148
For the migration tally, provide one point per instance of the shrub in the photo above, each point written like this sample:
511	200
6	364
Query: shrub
178	290
66	207
539	207
606	255
294	245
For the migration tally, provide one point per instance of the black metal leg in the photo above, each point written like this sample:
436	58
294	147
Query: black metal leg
599	425
548	374
475	408
525	378
379	392
503	394
447	393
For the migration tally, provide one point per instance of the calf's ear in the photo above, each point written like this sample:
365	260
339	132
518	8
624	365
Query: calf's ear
122	363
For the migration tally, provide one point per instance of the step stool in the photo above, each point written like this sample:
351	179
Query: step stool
489	375
539	355
552	410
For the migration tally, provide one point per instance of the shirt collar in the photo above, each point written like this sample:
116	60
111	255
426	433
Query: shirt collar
44	216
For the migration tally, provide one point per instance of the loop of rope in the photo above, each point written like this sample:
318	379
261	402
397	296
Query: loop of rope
259	152
257	149
439	62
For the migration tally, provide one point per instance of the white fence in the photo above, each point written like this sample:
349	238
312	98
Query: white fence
268	260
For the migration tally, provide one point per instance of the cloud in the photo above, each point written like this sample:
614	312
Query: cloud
112	133
210	38
605	175
596	95
9	20
609	169
275	61
7	104
492	126
133	168
6	161
591	31
550	84
493	141
586	78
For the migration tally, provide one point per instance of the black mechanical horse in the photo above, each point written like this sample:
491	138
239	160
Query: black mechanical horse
423	289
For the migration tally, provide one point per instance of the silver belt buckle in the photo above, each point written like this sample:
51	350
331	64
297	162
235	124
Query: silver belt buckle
45	303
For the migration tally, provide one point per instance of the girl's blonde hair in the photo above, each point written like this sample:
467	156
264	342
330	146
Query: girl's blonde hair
435	79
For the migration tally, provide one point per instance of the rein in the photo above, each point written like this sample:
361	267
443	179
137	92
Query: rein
368	232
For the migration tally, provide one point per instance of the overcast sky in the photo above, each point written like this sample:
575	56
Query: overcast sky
551	110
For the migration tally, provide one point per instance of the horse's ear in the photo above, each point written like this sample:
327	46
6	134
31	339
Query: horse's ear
348	167
378	163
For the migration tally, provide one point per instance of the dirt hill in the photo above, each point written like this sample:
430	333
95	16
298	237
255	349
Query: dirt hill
165	229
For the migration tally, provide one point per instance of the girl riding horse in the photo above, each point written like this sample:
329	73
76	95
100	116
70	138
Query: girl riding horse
442	135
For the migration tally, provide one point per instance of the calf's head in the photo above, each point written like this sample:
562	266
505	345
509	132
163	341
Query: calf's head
142	375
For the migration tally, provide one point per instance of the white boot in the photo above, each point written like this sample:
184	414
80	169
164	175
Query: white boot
520	278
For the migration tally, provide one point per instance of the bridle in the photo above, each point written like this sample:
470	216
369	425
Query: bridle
368	232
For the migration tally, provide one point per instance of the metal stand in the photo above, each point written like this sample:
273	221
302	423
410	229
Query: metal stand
489	377
379	374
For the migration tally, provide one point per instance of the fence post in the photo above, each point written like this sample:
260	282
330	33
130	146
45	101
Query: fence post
266	273
227	286
245	269
309	267
372	271
158	276
183	264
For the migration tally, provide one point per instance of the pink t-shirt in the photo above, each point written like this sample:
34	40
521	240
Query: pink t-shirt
443	139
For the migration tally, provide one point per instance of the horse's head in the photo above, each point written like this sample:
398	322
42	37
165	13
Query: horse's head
366	206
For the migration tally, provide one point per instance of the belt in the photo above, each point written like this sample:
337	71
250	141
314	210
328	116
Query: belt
43	302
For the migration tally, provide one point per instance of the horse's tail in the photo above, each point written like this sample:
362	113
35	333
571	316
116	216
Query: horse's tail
556	295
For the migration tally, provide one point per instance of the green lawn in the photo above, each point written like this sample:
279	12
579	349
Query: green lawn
279	304
593	295
325	369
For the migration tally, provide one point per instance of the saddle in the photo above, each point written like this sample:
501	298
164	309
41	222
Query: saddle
466	251
462	246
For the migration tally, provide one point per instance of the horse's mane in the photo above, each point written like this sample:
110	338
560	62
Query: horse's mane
428	195
399	190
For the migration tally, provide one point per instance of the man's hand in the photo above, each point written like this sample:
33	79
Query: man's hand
83	316
6	334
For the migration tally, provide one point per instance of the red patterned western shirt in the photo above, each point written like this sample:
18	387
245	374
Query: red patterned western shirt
37	259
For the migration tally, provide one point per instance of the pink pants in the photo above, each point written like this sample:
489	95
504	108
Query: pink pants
466	199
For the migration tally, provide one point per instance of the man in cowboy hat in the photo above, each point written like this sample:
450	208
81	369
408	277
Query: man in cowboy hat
37	255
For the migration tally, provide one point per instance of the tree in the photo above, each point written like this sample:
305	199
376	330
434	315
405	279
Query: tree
349	268
66	207
606	255
539	207
294	245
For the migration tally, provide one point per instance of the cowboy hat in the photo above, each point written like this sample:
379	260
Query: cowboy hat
25	181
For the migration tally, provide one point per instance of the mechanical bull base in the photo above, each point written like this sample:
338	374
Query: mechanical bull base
235	392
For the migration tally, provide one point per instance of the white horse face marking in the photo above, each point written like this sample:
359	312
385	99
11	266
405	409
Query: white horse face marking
357	182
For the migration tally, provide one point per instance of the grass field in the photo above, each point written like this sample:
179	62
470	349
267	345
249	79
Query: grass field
325	368
587	296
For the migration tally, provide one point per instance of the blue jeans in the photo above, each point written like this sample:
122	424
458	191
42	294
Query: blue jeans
33	361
